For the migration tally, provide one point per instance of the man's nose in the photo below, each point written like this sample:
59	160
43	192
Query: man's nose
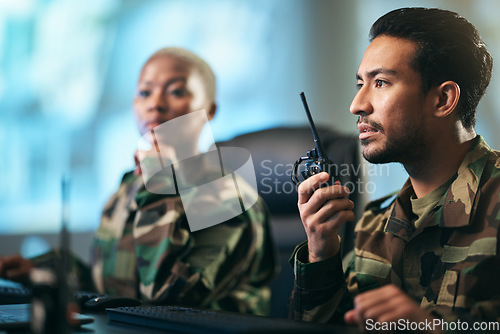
361	104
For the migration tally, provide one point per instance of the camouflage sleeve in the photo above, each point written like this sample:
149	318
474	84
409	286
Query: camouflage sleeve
144	248
220	265
188	269
319	293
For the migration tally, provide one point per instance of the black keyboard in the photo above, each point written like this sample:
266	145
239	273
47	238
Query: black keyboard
192	320
14	295
14	320
18	317
22	295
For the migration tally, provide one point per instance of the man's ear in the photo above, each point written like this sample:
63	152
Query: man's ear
211	111
448	97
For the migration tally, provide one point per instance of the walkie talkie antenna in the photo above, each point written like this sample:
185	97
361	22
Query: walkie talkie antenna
316	160
317	143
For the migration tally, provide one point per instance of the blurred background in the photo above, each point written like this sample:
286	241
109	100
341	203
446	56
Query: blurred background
68	71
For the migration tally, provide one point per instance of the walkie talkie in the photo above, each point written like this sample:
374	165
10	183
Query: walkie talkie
316	160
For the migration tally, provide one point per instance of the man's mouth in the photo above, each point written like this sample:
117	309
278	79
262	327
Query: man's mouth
366	131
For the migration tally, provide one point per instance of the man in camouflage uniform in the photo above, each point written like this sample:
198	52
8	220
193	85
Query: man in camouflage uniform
431	253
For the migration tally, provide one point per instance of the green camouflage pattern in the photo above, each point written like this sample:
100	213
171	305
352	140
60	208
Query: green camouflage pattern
449	264
144	249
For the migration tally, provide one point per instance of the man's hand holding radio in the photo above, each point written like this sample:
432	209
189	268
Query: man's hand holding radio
323	211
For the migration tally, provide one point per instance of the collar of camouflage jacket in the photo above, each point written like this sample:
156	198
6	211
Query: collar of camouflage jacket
457	206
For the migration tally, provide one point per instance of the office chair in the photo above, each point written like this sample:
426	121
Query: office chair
273	153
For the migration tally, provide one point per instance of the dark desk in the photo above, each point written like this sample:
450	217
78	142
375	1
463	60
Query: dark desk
190	321
101	324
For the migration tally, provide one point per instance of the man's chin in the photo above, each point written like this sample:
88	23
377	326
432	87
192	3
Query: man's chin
369	147
376	156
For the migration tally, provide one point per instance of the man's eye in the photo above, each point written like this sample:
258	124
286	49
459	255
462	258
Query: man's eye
144	93
359	86
380	83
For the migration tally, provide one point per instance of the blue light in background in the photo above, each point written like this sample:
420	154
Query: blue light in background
68	74
33	246
68	71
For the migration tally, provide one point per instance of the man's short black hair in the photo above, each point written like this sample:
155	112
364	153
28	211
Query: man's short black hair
448	48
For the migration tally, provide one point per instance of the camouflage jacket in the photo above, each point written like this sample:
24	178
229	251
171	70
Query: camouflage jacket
450	264
144	248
